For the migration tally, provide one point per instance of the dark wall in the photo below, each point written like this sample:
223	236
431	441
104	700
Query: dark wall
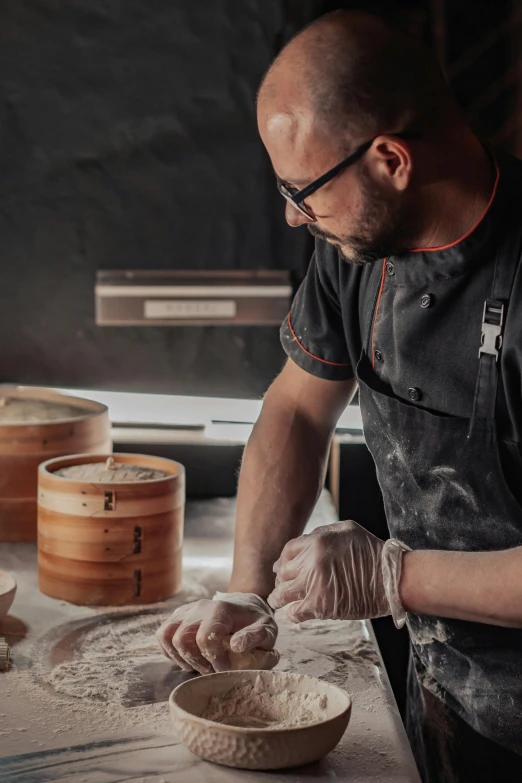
128	141
482	68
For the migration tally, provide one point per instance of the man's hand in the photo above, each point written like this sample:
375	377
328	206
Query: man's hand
333	573
193	635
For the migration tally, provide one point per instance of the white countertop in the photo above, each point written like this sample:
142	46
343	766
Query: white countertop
47	737
176	410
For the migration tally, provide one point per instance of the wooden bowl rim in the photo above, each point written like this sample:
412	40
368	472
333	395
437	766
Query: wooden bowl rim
50	395
186	715
78	459
12	585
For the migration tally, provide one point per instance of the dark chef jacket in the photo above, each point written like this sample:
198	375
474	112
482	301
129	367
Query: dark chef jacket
416	319
422	312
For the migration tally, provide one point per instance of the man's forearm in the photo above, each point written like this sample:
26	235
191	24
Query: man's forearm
281	476
484	587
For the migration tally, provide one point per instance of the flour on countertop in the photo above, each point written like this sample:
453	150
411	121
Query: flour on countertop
88	695
51	715
106	660
253	707
34	716
48	707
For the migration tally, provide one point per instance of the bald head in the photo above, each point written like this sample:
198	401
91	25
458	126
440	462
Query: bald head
355	75
353	83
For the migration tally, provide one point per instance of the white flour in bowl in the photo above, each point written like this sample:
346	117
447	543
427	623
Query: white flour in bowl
107	472
251	706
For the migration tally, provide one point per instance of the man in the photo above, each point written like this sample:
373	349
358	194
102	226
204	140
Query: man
418	232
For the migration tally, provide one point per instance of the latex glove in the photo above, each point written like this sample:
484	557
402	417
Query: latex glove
193	635
333	573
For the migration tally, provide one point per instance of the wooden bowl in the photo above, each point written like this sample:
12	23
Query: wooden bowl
84	427
103	543
7	592
257	748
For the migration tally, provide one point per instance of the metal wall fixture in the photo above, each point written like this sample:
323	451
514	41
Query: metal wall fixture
182	298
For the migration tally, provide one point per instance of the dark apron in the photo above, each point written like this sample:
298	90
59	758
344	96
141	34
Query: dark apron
444	488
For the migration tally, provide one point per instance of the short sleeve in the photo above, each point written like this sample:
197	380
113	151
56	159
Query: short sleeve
313	334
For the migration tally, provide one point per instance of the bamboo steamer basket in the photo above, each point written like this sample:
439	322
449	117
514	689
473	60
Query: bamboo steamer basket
24	445
110	543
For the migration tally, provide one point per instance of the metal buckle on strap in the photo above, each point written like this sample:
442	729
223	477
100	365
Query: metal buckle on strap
492	323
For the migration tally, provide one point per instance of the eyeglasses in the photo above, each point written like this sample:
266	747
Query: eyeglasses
296	197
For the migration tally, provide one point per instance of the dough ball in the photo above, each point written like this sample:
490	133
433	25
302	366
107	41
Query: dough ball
251	659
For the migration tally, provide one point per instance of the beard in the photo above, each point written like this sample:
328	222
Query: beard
385	227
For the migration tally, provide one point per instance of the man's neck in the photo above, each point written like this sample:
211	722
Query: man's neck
458	196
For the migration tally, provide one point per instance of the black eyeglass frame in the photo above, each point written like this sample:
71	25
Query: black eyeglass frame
296	197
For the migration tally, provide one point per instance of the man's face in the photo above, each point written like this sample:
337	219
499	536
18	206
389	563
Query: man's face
362	215
376	226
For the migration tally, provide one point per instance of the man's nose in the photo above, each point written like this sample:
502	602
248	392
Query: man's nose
294	217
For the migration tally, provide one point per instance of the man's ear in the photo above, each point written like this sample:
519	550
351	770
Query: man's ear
390	162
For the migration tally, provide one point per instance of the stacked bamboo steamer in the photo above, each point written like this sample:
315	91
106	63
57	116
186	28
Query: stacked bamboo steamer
110	528
37	425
